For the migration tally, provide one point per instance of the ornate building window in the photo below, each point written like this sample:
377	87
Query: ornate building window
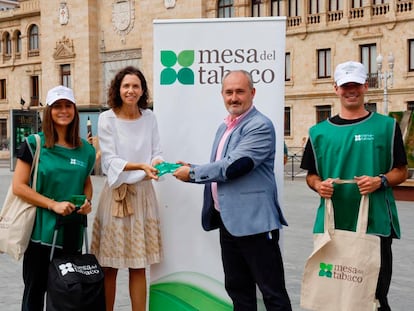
380	1
18	37
258	8
287	129
288	69
225	8
276	8
7	44
66	75
314	6
3	94
411	55
33	40
293	8
356	4
324	63
369	59
336	5
34	98
322	113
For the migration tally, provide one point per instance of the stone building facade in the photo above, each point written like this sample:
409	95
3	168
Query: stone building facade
82	43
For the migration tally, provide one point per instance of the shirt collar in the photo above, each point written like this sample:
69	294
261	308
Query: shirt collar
232	123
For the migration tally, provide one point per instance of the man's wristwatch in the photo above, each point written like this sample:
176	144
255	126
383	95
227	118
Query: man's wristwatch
191	174
384	182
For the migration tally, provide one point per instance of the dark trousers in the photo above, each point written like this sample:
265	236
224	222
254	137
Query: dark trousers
35	271
384	278
251	260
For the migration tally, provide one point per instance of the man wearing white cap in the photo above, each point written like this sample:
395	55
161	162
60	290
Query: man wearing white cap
368	148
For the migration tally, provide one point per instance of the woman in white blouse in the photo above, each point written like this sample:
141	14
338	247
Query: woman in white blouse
126	232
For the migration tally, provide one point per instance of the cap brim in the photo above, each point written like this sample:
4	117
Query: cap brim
350	79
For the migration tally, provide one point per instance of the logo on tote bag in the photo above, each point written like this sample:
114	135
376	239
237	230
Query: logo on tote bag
326	269
341	272
65	268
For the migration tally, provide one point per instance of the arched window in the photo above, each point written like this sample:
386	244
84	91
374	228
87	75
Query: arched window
18	37
33	40
8	44
225	8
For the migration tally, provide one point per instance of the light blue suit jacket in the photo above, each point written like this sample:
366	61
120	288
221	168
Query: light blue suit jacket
249	203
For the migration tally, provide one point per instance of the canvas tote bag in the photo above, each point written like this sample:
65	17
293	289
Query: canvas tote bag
341	274
17	217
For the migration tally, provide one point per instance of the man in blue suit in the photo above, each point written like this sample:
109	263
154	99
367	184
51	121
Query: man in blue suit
240	198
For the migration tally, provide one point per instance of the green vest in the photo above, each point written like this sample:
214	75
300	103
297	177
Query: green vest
346	151
61	173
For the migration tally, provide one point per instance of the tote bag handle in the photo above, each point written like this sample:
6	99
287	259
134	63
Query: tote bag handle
362	224
35	161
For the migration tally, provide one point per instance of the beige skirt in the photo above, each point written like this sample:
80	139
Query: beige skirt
132	241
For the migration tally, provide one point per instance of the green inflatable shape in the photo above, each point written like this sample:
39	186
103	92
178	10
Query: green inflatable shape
166	167
173	296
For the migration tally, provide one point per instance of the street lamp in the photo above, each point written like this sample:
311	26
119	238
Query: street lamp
385	75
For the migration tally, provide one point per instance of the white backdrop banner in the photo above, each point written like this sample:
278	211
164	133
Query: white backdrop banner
190	59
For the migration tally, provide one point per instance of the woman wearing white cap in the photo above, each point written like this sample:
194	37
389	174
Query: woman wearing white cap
64	168
126	231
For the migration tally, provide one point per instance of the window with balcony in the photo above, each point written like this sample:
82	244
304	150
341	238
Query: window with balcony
288	69
411	55
356	4
225	8
380	7
324	63
335	10
293	13
315	6
66	75
314	10
287	130
357	9
33	40
258	8
336	5
369	60
293	8
276	8
322	113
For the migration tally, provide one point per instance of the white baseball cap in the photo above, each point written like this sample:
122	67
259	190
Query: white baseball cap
59	92
350	72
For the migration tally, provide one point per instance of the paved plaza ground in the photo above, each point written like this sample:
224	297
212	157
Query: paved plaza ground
299	204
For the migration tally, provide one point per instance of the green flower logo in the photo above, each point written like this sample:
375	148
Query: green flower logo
184	75
326	269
